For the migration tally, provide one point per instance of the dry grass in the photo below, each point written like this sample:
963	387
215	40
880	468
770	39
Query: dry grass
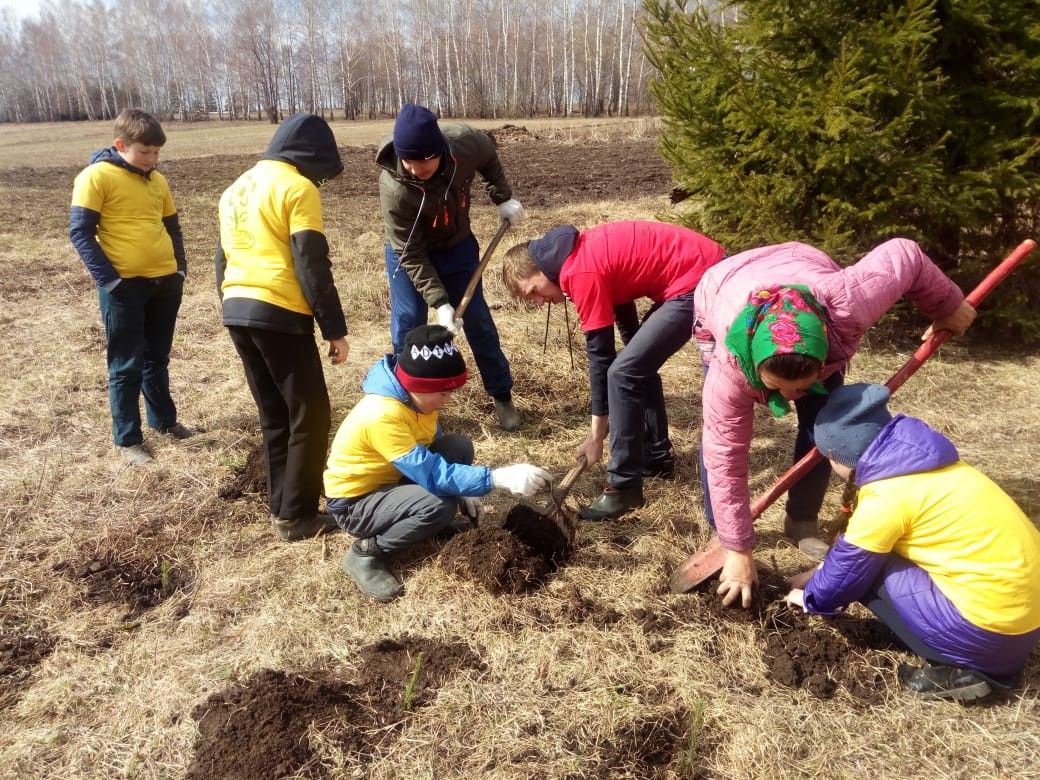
70	143
113	699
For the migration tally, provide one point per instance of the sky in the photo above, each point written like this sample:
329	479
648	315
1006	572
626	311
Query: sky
21	8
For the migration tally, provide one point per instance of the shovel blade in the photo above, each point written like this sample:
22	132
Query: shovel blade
703	564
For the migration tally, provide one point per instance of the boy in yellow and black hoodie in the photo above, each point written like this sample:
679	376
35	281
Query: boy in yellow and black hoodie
124	226
275	280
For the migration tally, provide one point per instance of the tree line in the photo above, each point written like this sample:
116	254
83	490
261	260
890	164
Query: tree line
357	59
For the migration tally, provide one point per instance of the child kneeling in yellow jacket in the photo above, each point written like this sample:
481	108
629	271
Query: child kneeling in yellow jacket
393	477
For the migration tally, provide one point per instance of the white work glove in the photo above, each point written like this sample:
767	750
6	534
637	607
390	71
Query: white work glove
511	211
471	508
521	479
446	317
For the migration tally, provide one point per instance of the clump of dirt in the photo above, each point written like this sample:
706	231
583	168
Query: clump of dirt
508	133
140	583
401	675
540	533
249	478
259	727
20	650
496	559
644	746
802	652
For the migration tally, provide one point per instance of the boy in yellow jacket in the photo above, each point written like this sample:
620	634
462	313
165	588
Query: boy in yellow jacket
124	225
275	280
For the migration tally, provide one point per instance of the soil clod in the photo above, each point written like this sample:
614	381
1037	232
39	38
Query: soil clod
20	651
140	583
249	478
496	559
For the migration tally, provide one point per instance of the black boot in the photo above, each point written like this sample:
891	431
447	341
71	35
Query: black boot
613	502
662	468
304	527
943	682
369	567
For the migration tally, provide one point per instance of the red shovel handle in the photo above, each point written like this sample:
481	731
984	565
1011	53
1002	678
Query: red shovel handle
707	561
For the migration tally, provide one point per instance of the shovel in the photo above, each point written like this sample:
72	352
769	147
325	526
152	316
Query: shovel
550	532
471	288
709	559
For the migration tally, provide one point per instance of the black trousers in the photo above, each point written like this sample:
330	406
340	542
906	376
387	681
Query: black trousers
285	376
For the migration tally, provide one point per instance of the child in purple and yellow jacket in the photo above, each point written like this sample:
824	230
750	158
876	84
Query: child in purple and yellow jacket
934	548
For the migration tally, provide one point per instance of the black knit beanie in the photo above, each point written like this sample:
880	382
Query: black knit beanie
430	361
416	134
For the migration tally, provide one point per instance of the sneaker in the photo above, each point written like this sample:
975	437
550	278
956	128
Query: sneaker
293	530
177	431
135	454
369	567
613	502
806	537
508	416
943	682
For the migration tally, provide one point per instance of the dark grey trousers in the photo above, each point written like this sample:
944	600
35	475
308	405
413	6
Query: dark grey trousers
635	397
403	514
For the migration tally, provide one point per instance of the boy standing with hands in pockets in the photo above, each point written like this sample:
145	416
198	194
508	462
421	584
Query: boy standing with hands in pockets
124	225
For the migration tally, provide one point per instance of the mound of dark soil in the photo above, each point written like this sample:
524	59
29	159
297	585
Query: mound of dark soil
644	746
509	133
258	728
496	559
141	583
802	652
401	675
540	533
249	478
20	650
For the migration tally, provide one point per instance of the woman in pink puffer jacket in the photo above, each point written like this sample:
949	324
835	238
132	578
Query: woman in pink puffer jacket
779	324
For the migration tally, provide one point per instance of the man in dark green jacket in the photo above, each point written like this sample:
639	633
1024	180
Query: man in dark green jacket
431	252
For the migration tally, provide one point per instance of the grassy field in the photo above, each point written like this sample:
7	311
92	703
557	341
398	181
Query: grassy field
149	626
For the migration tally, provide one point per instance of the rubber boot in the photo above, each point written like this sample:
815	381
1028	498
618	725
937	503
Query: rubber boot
508	416
369	567
943	682
806	536
295	529
613	502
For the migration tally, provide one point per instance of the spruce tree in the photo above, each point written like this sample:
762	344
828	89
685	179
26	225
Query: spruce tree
843	124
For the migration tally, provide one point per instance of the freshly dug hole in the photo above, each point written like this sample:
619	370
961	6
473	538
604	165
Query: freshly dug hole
540	533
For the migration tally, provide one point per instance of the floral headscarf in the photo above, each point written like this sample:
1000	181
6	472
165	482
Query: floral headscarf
776	321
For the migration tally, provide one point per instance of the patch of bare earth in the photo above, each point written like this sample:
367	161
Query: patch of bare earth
259	728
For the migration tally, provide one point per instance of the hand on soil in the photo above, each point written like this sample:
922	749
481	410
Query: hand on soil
522	479
471	508
796	598
339	349
738	578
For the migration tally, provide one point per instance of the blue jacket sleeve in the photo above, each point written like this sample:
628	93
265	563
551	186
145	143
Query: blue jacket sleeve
847	574
600	346
441	477
83	225
173	226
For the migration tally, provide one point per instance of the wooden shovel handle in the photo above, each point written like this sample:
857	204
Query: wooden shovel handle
568	481
471	288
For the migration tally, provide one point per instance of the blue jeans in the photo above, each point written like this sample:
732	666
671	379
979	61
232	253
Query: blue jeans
408	310
139	316
805	497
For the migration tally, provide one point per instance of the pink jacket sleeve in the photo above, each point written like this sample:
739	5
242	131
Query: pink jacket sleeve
729	415
857	297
